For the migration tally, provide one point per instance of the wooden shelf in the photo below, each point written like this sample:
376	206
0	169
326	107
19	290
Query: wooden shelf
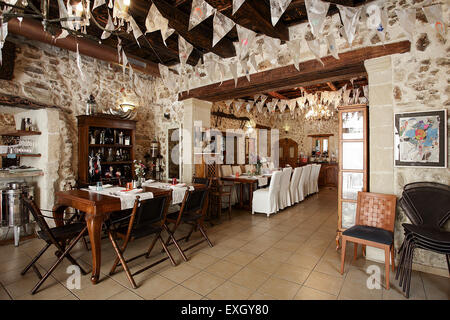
110	146
21	133
22	154
115	162
20	174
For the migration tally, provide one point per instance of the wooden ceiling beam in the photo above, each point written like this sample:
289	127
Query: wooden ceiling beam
200	36
277	95
350	64
331	86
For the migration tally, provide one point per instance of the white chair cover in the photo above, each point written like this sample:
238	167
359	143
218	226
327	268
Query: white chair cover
226	170
303	185
316	178
311	179
285	197
236	169
266	200
294	185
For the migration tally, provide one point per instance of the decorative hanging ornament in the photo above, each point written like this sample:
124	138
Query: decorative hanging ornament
246	40
221	26
98	3
317	12
350	19
200	11
314	46
277	8
109	26
233	69
294	51
259	106
185	50
407	20
236	5
136	30
434	17
249	106
331	42
291	104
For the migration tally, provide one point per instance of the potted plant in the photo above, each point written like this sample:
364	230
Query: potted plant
139	170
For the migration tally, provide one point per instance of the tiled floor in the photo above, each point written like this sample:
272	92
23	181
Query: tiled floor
290	255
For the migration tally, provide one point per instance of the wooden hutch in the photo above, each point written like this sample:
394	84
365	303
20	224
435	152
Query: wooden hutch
109	141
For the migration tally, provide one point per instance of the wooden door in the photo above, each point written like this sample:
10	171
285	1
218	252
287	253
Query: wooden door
288	152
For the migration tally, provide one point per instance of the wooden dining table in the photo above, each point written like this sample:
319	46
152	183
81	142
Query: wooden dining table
97	208
245	180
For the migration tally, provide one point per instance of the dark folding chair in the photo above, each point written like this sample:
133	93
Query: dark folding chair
148	217
68	234
427	205
205	181
192	212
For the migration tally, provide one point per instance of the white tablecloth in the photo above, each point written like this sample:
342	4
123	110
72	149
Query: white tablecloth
126	198
262	181
178	191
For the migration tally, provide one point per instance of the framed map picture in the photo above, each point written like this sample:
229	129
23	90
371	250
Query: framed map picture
420	139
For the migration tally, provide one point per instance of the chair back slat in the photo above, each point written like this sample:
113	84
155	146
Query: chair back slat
151	210
376	210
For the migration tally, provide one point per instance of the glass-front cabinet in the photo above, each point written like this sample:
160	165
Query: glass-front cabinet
353	163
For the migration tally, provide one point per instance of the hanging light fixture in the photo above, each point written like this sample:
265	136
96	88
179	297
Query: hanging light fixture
319	112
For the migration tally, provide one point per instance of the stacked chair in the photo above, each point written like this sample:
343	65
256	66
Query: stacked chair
427	205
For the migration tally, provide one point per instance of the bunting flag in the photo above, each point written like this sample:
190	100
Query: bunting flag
124	61
331	42
233	69
256	97
253	62
136	30
246	39
366	92
98	3
110	4
314	46
222	69
277	8
317	12
377	19
200	11
407	20
301	102
271	105
109	26
350	19
119	48
355	96
291	104
249	106
184	50
434	17
221	26
245	69
263	98
259	106
294	50
155	21
236	5
212	65
238	104
228	102
282	104
3	34
346	96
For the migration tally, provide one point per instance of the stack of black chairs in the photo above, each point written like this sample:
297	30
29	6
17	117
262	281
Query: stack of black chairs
427	205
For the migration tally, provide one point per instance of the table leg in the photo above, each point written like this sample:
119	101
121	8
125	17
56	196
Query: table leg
241	200
250	196
94	225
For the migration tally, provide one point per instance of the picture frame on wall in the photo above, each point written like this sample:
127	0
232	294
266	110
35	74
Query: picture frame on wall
420	139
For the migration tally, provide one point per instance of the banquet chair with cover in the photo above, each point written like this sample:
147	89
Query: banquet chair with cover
375	217
68	234
427	205
236	169
192	212
147	218
285	197
315	178
266	200
305	181
226	170
294	186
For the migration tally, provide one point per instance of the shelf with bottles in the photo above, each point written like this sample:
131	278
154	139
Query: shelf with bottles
109	137
110	173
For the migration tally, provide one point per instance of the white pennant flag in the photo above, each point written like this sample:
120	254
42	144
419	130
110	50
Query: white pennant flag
331	42
314	46
291	104
407	20
377	19
233	69
228	102
249	106
256	97
211	70
434	17
245	69
136	30
223	70
253	62
294	51
124	61
246	40
282	105
350	19
155	21
271	105
277	8
236	5
98	3
109	26
184	50
317	12
263	98
221	26
238	104
200	11
259	106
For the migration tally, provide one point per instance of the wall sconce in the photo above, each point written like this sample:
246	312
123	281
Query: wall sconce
167	115
127	107
286	129
154	148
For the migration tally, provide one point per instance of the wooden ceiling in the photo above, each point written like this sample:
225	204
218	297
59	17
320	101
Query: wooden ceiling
253	14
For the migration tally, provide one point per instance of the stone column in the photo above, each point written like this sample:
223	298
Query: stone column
194	110
381	133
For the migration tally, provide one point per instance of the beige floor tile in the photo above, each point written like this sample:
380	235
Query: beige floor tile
333	268
241	258
223	269
324	282
154	287
292	273
180	273
265	265
218	251
306	293
254	248
3	294
50	290
180	293
203	283
234	243
106	288
279	288
250	278
230	291
311	251
304	261
355	291
260	296
277	254
287	245
436	287
125	295
201	260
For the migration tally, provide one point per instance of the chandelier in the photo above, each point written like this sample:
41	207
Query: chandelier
319	112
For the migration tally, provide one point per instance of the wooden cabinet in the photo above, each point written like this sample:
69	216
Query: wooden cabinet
109	142
328	175
353	163
288	152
